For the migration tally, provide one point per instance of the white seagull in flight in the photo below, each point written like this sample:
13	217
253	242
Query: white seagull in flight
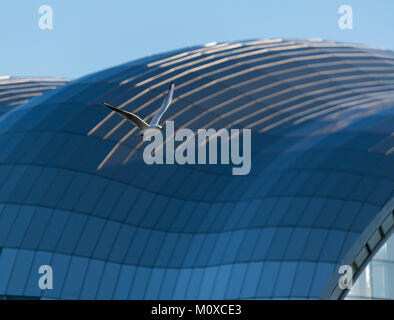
154	124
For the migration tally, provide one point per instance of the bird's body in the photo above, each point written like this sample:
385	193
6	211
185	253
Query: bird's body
150	131
147	129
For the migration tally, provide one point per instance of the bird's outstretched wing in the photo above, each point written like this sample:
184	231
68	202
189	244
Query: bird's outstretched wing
129	116
166	103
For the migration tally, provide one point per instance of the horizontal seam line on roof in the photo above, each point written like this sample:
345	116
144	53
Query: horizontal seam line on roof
167	267
197	200
217	232
89	214
195	168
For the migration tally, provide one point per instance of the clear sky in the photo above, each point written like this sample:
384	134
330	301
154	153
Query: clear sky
89	35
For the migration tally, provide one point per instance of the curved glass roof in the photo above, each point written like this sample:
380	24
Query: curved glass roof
15	91
75	193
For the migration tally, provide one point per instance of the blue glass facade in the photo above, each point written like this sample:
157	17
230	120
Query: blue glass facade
76	194
15	91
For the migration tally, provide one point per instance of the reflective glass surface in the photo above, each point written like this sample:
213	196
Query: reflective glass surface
377	279
75	193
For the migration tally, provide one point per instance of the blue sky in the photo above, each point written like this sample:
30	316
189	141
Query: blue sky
90	35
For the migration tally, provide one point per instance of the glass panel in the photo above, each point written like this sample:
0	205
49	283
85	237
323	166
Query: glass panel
22	189
21	224
60	264
194	283
7	259
181	250
168	285
222	278
263	243
91	194
303	279
14	176
92	279
71	233
377	279
155	282
140	283
108	281
205	251
221	242
208	282
109	199
285	279
251	280
106	240
181	284
89	236
124	282
21	271
167	249
138	246
7	219
74	279
41	186
232	249
267	281
37	227
32	288
57	188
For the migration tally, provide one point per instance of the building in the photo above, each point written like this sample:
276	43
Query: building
75	193
15	91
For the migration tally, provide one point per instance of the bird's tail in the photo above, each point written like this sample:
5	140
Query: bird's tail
111	107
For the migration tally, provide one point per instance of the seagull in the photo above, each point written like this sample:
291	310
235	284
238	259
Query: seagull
154	124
